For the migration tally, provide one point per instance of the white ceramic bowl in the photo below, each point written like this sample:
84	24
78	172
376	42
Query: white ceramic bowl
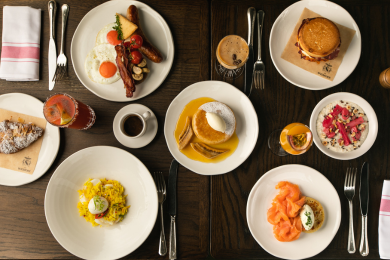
311	183
78	236
247	124
372	125
281	32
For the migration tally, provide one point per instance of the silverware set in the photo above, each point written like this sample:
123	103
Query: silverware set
349	191
162	194
57	66
254	71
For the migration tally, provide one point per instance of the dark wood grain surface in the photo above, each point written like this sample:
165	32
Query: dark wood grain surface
24	231
282	103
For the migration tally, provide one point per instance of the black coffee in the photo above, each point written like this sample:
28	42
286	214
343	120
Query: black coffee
133	125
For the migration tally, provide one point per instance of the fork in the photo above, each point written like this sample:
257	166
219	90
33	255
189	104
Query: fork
349	191
259	68
61	60
162	194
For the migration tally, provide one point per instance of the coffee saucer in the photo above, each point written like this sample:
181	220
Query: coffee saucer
150	132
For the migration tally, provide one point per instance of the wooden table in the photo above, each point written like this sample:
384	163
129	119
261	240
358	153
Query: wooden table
211	210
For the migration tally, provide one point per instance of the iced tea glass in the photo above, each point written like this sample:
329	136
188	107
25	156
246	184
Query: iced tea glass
64	111
295	139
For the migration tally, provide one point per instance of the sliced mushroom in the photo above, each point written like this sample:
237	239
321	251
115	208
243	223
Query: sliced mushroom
138	77
145	70
142	63
137	70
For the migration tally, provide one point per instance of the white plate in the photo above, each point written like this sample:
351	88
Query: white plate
281	32
312	184
247	125
155	28
78	236
26	104
151	126
372	125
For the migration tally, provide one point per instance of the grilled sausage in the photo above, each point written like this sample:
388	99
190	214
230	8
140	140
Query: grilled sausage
147	49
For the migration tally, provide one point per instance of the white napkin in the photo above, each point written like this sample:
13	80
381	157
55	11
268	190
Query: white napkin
384	222
20	43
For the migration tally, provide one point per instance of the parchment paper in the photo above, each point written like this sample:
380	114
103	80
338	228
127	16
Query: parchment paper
326	70
26	159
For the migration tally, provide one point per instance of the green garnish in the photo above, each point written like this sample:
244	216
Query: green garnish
98	202
309	221
118	28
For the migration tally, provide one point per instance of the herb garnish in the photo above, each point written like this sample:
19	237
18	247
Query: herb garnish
98	203
118	28
309	221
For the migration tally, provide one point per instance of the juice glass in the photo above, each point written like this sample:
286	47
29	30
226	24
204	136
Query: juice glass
64	111
232	53
295	139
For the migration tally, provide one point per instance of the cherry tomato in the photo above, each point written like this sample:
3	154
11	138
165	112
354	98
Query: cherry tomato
136	41
136	57
100	215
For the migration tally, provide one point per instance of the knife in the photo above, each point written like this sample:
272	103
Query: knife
250	62
172	179
364	184
52	58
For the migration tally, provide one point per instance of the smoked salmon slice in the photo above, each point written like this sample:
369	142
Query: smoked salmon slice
284	211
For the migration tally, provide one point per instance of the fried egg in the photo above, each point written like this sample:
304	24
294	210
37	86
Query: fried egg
100	64
108	35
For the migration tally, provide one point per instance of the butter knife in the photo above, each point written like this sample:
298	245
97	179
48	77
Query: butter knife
364	188
172	180
52	57
251	13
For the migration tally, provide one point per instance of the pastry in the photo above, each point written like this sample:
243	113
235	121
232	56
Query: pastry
15	136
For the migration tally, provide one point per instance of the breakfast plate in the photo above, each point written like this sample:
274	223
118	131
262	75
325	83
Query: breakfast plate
369	134
155	28
26	104
78	236
247	129
281	32
312	184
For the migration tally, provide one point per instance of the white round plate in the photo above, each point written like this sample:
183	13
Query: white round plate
78	236
151	126
312	184
26	104
154	27
281	32
372	125
247	124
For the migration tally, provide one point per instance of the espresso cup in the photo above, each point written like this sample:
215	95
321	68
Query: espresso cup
133	125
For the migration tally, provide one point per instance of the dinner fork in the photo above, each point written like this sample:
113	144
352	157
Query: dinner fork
259	68
61	60
349	191
162	194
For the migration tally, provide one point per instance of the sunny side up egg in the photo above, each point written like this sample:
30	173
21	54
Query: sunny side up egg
108	35
100	64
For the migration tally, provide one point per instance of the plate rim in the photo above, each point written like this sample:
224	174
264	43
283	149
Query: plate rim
54	155
313	122
183	93
332	83
271	171
170	38
56	173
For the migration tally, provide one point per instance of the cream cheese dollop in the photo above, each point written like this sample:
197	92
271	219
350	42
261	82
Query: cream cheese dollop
216	122
307	217
97	205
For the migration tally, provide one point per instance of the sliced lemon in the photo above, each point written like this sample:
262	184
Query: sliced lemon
65	118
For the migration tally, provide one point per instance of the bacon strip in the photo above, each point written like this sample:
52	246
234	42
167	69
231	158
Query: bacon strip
123	63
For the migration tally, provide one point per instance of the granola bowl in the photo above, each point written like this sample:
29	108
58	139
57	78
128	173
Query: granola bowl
344	126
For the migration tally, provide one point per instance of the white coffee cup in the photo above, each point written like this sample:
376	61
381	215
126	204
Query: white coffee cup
144	117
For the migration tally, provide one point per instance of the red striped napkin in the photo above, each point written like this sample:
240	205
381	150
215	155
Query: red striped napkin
20	43
384	222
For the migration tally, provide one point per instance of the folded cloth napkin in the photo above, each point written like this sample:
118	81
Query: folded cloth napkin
20	43
384	222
